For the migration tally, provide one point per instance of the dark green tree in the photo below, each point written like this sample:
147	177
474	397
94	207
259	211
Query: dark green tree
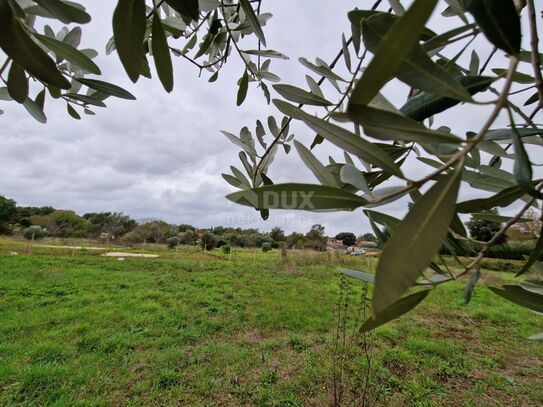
8	208
348	238
484	229
277	234
367	237
208	241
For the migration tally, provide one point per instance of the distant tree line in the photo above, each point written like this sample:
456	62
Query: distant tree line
38	222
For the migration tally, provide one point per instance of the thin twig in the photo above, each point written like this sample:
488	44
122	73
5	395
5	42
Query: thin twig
350	86
4	66
195	29
155	8
490	56
255	74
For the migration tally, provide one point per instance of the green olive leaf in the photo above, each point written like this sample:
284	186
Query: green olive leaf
416	240
17	45
128	31
161	54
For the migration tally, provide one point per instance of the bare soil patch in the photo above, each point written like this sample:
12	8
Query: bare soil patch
121	254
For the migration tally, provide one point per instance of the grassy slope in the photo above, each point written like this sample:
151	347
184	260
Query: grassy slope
200	330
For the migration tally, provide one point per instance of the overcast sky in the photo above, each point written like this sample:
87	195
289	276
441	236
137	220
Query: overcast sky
162	156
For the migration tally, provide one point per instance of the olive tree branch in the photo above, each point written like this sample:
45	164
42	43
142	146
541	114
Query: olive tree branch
349	86
320	82
534	43
287	123
487	61
195	29
4	66
222	59
470	144
259	43
255	74
155	8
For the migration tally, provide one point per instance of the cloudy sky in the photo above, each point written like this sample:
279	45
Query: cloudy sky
162	156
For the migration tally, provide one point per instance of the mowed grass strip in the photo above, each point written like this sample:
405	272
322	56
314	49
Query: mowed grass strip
197	329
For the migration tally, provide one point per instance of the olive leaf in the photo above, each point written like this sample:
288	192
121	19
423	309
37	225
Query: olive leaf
17	45
161	54
416	240
297	196
396	45
17	83
128	31
395	310
499	21
65	12
243	87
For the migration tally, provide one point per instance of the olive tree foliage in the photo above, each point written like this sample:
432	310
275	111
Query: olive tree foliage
342	105
34	232
348	238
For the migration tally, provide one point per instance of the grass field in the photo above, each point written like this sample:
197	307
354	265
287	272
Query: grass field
203	329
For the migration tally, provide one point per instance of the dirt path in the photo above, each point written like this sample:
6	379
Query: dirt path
121	254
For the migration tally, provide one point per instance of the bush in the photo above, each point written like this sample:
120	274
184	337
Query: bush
37	231
500	265
172	242
506	251
226	249
266	247
510	251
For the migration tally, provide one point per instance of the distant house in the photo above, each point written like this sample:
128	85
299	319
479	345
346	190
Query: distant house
367	244
333	245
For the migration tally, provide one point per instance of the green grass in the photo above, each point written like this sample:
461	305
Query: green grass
197	329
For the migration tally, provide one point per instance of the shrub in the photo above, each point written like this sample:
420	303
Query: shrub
506	251
510	251
172	242
266	247
37	231
226	249
500	265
